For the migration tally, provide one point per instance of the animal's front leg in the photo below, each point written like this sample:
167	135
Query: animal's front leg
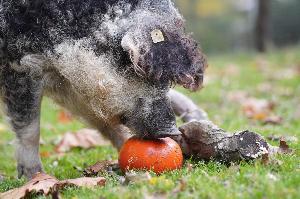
22	97
185	108
117	134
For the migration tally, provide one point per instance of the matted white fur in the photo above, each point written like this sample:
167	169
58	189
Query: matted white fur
105	92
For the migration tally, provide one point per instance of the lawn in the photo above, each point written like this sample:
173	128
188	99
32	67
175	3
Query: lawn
274	76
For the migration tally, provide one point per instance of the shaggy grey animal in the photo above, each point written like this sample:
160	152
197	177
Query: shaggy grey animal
109	62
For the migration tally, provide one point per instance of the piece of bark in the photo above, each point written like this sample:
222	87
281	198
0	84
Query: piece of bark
204	140
100	167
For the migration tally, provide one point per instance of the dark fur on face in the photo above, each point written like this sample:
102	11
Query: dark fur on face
175	58
154	118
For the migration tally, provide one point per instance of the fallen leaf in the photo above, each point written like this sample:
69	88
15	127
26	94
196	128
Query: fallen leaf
44	184
268	159
286	73
258	109
265	159
230	70
40	184
284	147
64	117
286	138
273	119
265	87
263	65
82	182
100	167
45	154
84	138
133	177
155	196
237	96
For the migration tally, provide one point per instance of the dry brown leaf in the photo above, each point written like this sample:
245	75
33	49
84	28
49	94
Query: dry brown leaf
100	167
258	109
64	117
45	184
41	184
265	87
45	154
84	138
231	70
135	177
155	196
286	73
269	158
82	182
273	119
285	137
237	96
284	147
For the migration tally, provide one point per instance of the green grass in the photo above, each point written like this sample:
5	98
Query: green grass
226	73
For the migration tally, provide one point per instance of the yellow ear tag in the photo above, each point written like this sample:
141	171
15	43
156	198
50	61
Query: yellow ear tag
157	36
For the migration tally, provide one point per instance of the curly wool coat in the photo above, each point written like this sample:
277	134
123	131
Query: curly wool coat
109	62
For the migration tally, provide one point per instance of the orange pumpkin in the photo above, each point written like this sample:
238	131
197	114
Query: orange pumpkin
158	155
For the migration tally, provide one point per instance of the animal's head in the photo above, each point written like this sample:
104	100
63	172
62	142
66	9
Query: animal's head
159	48
151	116
159	51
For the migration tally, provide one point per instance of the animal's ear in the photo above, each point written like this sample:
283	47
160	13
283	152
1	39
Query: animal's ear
130	46
127	42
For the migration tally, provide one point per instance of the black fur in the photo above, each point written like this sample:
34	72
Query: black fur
22	96
29	23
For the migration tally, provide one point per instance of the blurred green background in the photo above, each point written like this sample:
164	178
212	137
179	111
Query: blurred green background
230	25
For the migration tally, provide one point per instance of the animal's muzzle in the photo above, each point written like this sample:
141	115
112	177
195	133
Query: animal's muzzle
163	133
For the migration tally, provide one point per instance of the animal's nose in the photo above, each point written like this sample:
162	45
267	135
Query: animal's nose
165	133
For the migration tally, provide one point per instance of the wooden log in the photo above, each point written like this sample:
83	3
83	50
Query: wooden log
204	140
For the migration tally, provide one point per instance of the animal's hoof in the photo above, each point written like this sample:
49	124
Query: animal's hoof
28	172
